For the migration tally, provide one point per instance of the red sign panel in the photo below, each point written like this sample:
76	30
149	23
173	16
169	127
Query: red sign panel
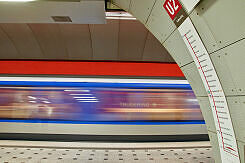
172	7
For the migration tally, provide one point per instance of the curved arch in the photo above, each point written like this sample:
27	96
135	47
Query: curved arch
221	29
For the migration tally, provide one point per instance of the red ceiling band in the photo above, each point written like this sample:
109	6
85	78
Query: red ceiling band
90	68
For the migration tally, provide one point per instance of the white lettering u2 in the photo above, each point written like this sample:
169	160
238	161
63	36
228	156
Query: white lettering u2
172	7
170	11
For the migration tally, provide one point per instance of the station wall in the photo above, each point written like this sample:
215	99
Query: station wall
221	27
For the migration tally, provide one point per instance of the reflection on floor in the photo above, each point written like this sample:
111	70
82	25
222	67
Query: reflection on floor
52	152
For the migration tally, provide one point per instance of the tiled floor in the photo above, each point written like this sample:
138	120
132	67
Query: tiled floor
109	154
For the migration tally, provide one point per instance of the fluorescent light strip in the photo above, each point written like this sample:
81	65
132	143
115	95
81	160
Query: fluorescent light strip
84	97
88	101
120	18
80	94
76	90
31	97
118	14
97	80
46	102
192	100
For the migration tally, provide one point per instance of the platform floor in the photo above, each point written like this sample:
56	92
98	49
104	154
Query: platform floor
91	152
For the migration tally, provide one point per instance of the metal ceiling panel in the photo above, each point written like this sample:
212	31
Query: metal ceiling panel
50	40
154	51
78	41
7	48
132	39
84	12
24	40
105	40
118	40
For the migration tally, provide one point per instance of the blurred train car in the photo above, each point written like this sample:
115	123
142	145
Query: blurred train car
99	109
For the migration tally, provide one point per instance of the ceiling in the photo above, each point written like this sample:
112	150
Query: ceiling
29	31
118	40
43	11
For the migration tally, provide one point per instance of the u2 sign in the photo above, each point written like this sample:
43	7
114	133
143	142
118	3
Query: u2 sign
172	7
175	11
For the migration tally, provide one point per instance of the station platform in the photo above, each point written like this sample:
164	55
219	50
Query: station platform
97	152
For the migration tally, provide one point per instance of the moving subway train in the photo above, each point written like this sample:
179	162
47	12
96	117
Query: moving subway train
99	108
